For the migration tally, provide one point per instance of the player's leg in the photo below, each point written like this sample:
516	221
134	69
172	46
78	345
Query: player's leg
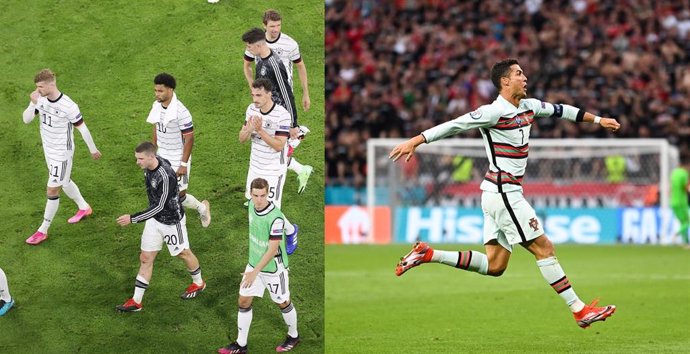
244	313
191	202
151	244
303	171
177	239
72	191
56	175
279	288
681	213
6	301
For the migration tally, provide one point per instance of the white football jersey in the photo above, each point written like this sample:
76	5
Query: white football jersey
505	130
264	159
57	120
169	136
287	50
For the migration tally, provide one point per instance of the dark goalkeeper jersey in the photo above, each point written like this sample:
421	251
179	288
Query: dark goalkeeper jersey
162	190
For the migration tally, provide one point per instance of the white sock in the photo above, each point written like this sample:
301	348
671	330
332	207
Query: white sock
555	276
289	228
290	317
190	202
72	191
196	276
4	288
51	208
140	286
295	166
244	320
472	261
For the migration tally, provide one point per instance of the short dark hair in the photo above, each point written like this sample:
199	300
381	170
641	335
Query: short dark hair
165	79
501	69
259	183
146	147
271	15
254	35
263	83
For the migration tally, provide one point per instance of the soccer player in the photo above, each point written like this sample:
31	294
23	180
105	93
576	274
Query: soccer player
165	223
267	125
262	49
508	217
679	198
173	134
6	301
59	115
267	262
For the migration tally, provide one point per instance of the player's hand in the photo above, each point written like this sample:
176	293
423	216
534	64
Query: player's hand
406	149
306	102
257	123
35	96
124	220
181	171
610	124
294	133
96	155
249	278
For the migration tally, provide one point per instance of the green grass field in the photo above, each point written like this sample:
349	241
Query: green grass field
106	54
439	309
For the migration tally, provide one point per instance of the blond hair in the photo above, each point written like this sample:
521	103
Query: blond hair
46	75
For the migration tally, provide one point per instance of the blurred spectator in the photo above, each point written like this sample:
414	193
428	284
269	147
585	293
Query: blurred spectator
397	67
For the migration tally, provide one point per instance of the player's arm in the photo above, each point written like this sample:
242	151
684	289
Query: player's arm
277	141
86	135
163	191
571	113
302	73
248	70
484	117
154	135
250	276
30	112
188	138
246	131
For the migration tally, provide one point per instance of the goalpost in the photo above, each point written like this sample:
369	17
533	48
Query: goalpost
561	173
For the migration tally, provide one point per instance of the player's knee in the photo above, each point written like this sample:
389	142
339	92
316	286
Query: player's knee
284	304
244	302
53	192
182	194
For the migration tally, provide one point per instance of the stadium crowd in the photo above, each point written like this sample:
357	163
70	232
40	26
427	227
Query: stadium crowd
395	68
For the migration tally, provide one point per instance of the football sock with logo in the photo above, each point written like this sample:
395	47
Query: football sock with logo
73	192
52	205
140	286
554	275
191	202
295	166
472	261
290	317
196	276
5	289
244	320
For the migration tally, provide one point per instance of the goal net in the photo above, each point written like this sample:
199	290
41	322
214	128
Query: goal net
574	174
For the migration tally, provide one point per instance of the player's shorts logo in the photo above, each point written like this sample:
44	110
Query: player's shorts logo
476	114
534	224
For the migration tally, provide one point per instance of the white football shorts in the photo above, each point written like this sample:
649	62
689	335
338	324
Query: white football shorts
509	218
277	284
59	172
275	185
156	234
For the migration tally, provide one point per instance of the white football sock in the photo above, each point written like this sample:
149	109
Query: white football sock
472	261
555	276
72	191
191	202
4	288
244	320
290	317
52	205
295	166
196	276
140	286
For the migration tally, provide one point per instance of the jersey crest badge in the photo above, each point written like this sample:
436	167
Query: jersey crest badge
534	224
154	183
476	114
518	120
263	71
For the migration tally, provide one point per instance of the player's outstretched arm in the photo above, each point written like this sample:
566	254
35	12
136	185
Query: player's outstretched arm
407	148
607	123
88	139
249	277
30	111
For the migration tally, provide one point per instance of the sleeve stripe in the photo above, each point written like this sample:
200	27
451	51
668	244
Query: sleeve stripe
161	204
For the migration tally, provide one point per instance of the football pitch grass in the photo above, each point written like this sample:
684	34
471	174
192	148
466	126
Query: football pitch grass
438	309
105	54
